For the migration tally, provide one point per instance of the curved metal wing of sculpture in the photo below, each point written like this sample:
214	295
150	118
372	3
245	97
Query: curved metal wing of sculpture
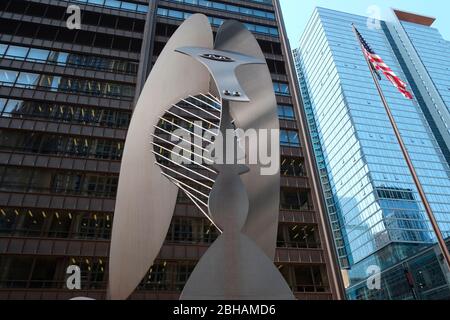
145	198
259	113
147	191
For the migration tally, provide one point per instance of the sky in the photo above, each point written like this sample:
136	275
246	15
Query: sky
297	12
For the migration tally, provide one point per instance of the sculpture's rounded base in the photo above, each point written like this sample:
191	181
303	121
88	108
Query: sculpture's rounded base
250	276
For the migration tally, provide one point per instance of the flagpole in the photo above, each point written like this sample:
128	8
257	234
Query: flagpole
412	170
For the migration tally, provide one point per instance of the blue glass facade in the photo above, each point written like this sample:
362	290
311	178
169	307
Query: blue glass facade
332	209
374	207
425	54
433	51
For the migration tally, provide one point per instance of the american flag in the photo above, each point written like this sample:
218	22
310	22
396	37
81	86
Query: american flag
378	64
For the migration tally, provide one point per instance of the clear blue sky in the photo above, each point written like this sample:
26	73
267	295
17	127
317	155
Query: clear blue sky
297	12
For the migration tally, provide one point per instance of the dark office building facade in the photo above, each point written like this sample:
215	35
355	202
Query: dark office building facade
66	99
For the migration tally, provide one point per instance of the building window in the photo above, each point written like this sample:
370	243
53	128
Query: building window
298	236
294	199
92	272
286	112
167	276
310	279
304	279
43	273
29	272
17	52
281	88
289	138
3	48
192	231
8	77
158	278
293	167
27	80
38	54
183	272
93	226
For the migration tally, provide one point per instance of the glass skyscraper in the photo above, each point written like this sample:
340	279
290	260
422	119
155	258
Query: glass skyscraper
425	55
375	211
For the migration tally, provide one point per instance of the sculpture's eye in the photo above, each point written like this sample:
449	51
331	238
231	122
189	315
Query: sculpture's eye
232	93
181	144
216	57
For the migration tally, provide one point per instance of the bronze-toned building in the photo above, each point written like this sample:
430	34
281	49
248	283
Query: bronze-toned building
66	98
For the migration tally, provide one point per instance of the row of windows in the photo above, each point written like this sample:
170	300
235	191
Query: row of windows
63	224
290	199
116	4
60	182
285	112
60	13
217	21
64	113
395	193
288	138
270	47
49	272
29	80
54	224
72	37
200	231
171	276
53	144
67	59
229	8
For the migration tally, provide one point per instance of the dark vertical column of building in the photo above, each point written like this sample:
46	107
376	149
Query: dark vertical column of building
324	229
66	98
303	254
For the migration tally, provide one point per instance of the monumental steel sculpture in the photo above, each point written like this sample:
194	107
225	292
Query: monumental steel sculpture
225	85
